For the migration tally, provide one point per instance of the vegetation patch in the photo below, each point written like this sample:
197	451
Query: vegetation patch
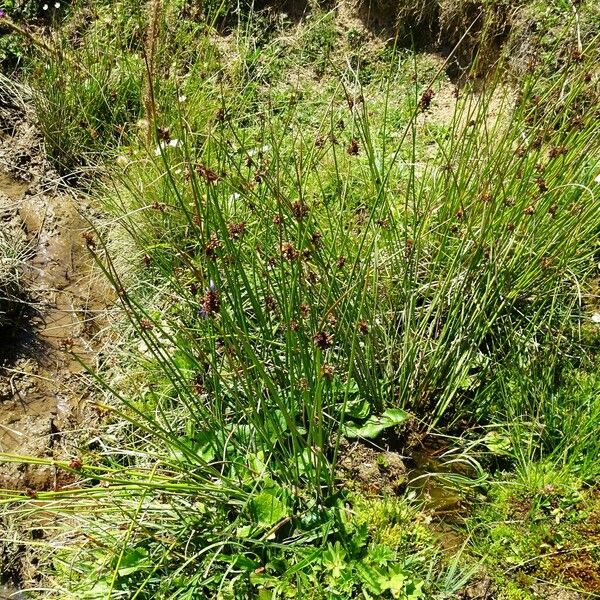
323	252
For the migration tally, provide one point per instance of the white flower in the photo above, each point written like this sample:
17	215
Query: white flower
182	98
164	145
262	150
235	196
597	180
57	5
596	318
45	7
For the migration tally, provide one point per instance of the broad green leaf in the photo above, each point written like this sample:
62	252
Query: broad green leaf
269	507
375	425
132	561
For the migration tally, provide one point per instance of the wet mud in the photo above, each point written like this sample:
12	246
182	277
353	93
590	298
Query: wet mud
43	387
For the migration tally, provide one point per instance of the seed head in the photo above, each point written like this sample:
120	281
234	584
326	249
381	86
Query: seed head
90	242
426	99
557	151
75	464
323	340
211	304
327	371
208	174
236	230
163	134
146	324
299	210
66	344
221	115
270	303
363	327
211	247
288	251
353	148
316	239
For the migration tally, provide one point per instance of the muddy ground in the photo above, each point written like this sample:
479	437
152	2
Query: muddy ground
43	389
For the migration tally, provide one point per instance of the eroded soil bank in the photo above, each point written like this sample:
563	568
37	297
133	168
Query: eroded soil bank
43	389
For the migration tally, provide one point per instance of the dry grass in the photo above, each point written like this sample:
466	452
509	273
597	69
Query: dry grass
12	253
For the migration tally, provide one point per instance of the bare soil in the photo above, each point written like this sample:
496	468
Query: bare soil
43	389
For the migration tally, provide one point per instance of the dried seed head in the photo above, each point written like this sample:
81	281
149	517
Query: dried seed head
557	151
316	239
270	303
236	230
577	56
541	184
312	277
552	210
303	384
288	251
277	219
221	115
327	371
340	262
163	134
75	464
211	304
304	310
547	262
160	206
530	210
332	320
294	326
211	247
146	324
323	340
88	237
66	344
426	98
353	148
299	210
363	327
147	260
208	174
